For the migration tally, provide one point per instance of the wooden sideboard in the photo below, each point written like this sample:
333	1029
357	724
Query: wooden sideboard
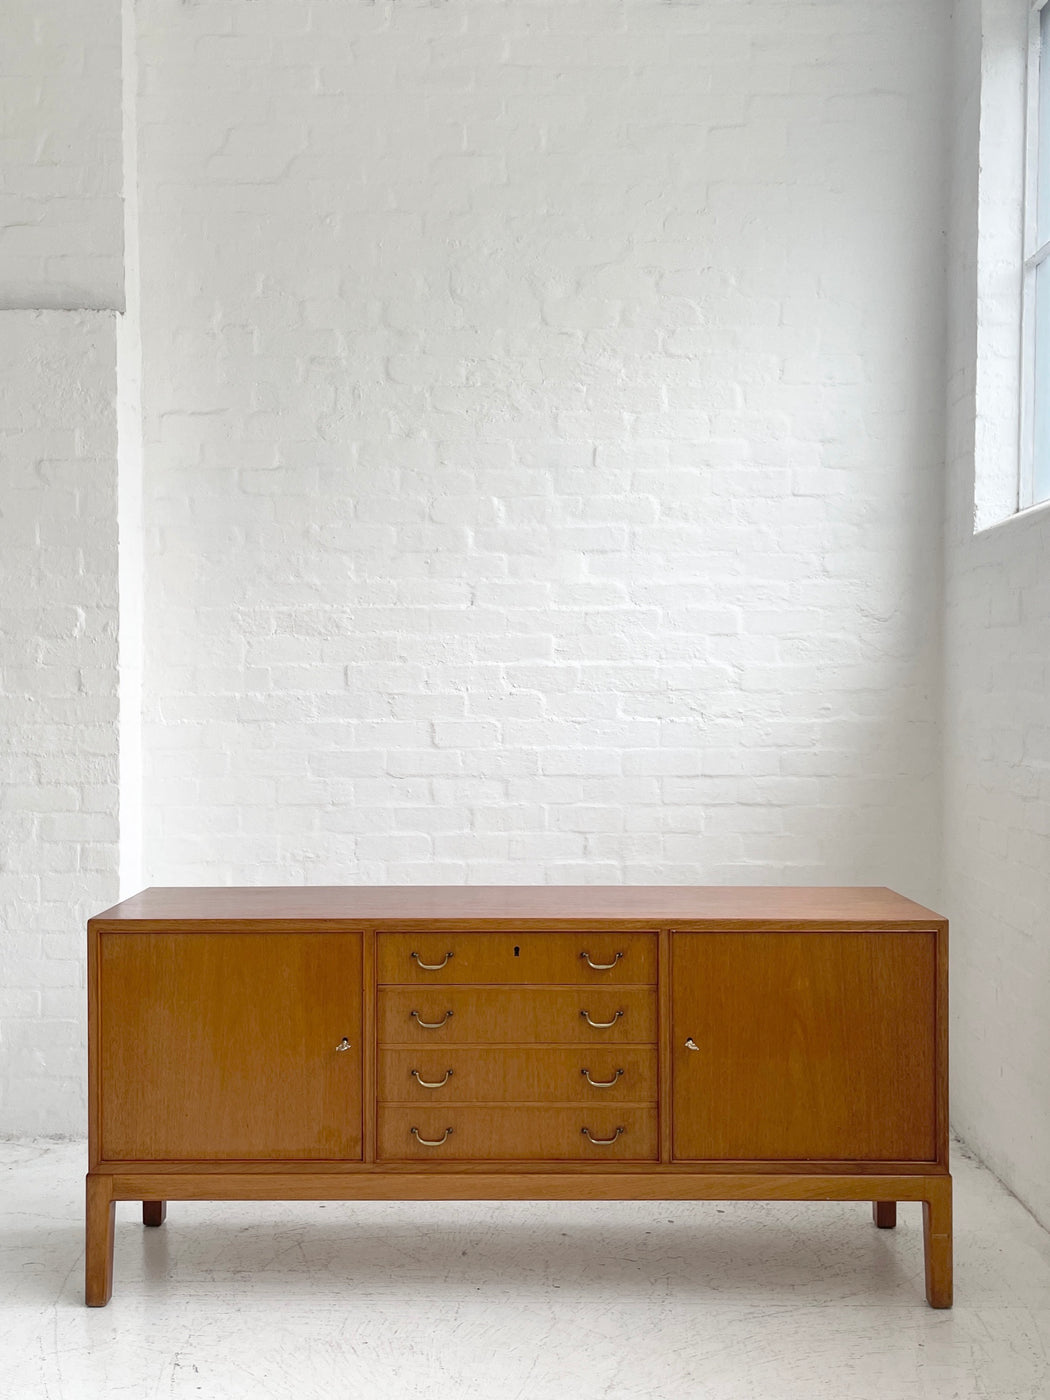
518	1043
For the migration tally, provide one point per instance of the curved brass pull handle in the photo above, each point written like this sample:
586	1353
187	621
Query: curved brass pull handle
431	1142
601	1083
601	1025
344	1044
602	1142
437	1084
430	1025
432	967
600	967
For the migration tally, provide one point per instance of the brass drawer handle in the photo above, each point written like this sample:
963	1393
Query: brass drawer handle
602	1142
600	967
430	1025
601	1025
432	967
437	1084
344	1044
601	1083
431	1142
691	1044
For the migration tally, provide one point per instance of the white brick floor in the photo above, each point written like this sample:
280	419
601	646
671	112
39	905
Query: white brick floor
548	1301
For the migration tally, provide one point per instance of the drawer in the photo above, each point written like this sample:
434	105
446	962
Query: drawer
593	957
444	1016
512	1133
626	1075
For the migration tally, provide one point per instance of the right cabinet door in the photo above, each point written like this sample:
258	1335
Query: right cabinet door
803	1046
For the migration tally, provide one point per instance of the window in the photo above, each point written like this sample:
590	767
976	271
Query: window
1035	311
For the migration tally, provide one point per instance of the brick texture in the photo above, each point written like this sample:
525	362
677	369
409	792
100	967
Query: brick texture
60	149
58	699
544	419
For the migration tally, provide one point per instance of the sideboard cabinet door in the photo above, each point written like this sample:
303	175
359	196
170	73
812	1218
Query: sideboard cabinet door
223	1046
803	1046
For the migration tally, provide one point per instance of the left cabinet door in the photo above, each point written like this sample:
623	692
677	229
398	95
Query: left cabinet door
223	1046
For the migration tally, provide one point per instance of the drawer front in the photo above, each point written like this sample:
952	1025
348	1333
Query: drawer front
584	1075
516	1015
512	1133
593	958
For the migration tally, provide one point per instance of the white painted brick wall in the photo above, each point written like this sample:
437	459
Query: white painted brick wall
997	680
544	416
61	286
60	152
58	699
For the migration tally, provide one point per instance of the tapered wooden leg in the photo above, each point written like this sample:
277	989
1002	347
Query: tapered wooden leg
884	1214
98	1266
937	1246
153	1212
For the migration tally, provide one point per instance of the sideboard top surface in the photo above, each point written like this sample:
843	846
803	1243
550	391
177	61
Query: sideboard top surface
739	907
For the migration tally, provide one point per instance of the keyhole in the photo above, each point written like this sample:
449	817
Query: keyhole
516	951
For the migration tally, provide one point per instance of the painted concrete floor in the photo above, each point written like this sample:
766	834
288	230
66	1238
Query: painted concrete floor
549	1301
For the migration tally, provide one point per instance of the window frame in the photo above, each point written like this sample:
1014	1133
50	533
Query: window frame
1033	254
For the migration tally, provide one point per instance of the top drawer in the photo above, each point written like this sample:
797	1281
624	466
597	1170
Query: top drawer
591	957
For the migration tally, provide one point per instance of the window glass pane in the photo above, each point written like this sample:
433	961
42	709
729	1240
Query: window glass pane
1041	386
1043	131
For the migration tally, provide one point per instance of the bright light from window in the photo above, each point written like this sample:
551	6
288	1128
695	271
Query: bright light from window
1035	445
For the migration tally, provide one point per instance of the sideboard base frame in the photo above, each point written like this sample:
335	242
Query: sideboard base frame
883	1190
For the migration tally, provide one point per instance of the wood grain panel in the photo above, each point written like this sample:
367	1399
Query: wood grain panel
515	1015
519	1075
663	1096
305	907
100	1221
514	1133
224	1047
465	1181
809	1045
523	956
368	1045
